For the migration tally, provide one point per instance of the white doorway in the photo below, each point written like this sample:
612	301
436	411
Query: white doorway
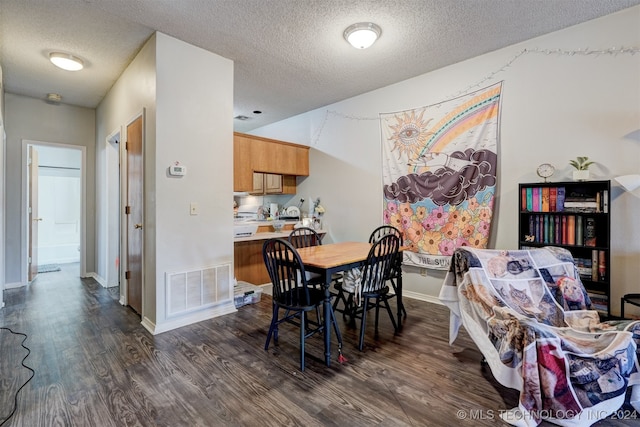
61	206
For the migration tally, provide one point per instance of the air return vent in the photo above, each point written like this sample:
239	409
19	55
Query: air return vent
194	290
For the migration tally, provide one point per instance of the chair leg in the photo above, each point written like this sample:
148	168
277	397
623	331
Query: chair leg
393	320
303	333
364	322
273	328
395	291
349	310
377	317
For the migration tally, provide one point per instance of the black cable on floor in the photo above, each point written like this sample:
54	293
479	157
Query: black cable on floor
15	400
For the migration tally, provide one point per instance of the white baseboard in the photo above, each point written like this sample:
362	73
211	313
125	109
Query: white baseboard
198	316
421	297
14	285
98	279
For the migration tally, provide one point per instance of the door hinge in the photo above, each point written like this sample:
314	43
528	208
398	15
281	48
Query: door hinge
127	275
126	145
127	210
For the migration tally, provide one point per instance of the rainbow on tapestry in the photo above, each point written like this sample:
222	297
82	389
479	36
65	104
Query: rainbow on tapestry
439	175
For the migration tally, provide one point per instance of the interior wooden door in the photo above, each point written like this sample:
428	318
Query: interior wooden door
33	217
134	210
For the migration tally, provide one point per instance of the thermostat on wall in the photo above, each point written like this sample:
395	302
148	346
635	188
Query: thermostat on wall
177	170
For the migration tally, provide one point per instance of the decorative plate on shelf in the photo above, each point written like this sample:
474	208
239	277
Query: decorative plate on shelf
293	211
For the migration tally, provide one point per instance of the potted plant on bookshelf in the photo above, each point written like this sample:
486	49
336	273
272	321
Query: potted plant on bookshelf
582	168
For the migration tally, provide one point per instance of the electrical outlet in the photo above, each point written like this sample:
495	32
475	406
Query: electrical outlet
194	208
423	272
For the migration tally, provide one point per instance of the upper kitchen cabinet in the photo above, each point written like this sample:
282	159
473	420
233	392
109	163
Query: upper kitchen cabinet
254	154
242	171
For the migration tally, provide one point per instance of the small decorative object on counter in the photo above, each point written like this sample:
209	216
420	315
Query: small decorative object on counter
318	211
277	225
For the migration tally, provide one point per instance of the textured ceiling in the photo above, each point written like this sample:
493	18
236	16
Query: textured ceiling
289	55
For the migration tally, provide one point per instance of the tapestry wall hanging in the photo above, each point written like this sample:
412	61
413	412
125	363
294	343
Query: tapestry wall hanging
439	175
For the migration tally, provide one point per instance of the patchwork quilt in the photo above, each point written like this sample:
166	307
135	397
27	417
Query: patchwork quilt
529	314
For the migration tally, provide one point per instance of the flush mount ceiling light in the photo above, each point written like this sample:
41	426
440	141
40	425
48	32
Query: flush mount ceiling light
362	35
66	61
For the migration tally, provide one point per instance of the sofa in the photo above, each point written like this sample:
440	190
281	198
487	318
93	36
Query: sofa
530	316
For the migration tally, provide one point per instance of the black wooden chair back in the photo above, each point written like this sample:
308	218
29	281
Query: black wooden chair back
304	237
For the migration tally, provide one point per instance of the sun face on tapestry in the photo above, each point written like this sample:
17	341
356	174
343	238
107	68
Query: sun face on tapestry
439	175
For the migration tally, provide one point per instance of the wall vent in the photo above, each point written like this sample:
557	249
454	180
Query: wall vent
194	290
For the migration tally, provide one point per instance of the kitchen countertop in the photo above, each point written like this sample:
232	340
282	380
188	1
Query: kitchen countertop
269	235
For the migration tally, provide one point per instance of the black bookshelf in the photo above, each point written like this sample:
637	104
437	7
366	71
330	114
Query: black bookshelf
574	215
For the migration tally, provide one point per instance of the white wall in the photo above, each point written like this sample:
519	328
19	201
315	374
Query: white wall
132	93
2	184
33	119
195	128
187	95
554	107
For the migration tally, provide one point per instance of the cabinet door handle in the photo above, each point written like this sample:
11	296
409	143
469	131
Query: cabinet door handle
137	226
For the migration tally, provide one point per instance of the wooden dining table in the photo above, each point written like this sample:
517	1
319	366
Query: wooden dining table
328	259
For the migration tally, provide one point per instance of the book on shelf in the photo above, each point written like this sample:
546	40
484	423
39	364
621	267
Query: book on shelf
553	199
544	202
602	266
536	199
605	201
599	301
545	236
584	267
579	231
590	231
529	203
571	229
560	199
594	263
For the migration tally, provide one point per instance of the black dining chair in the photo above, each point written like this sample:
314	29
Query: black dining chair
304	237
292	293
374	291
395	274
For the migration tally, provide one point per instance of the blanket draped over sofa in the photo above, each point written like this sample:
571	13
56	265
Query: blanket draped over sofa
529	314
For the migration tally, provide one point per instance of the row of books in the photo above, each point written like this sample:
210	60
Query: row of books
594	268
599	302
556	199
562	230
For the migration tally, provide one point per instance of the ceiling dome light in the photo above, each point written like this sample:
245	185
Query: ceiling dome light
66	61
362	35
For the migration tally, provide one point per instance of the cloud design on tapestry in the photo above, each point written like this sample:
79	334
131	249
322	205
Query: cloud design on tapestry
447	185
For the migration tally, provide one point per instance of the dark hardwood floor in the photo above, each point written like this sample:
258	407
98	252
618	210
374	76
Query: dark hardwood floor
95	365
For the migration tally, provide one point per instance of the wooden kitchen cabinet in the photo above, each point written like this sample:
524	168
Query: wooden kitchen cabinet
268	183
249	263
262	155
242	171
272	183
